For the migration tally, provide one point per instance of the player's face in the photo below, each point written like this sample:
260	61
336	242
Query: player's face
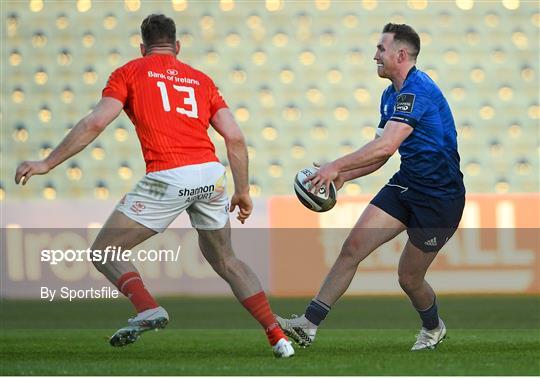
386	56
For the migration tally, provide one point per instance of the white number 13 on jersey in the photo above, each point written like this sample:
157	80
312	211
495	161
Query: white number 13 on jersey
189	100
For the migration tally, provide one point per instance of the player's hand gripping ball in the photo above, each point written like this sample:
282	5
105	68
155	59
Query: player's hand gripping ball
323	201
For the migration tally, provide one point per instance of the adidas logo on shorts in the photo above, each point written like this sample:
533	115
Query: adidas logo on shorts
431	242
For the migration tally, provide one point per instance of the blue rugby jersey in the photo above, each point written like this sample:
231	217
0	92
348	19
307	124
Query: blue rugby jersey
429	156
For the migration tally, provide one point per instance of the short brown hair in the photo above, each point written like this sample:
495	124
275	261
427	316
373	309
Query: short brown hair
404	33
158	29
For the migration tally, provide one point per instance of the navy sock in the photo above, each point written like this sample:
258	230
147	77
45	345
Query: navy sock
317	311
430	317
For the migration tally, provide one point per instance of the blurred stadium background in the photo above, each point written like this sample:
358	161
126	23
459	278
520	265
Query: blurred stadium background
300	78
298	75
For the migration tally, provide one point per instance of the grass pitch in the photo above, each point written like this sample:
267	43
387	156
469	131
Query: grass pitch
215	336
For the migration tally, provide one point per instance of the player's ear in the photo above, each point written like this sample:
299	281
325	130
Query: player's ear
143	49
177	47
402	55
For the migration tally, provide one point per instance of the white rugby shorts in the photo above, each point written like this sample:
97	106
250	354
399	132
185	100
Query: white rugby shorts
159	197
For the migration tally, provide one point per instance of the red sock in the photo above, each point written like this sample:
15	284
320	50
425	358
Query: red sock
132	286
259	308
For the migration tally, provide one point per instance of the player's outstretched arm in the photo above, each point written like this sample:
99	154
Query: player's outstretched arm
373	153
223	122
345	176
82	134
379	149
358	172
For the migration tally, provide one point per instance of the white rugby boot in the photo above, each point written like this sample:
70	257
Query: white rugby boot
298	328
283	349
429	339
147	320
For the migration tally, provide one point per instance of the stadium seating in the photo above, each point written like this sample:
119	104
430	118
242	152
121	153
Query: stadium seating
299	77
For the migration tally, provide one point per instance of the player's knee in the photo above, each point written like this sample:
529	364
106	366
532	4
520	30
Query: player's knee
410	282
351	249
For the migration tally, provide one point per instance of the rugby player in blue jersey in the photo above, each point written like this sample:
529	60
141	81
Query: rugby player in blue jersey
425	197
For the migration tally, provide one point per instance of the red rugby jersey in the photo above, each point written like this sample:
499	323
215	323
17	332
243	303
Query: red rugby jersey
170	104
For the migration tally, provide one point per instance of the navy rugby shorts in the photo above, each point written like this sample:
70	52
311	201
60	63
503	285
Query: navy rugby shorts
430	221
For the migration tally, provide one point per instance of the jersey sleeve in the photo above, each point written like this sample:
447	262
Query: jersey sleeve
116	86
411	104
216	100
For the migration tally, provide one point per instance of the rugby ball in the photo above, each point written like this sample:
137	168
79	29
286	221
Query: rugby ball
320	202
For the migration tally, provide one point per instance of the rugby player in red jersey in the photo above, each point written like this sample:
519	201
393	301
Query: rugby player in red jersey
171	105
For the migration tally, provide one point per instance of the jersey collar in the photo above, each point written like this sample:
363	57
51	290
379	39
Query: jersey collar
413	68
